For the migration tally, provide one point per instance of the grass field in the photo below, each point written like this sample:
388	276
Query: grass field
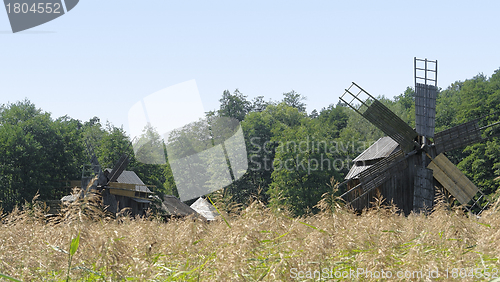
259	245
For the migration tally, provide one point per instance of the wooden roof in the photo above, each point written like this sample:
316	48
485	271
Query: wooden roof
173	206
355	170
377	151
129	177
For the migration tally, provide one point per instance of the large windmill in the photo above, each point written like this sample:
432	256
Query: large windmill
406	166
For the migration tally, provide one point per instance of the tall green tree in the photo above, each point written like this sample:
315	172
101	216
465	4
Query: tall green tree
259	104
36	153
295	100
234	105
306	159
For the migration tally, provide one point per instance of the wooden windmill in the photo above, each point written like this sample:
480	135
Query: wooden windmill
122	189
119	188
406	167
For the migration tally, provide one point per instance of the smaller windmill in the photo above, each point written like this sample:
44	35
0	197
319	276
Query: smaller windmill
119	188
406	166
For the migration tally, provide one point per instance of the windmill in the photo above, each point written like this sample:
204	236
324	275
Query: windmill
119	188
104	177
406	166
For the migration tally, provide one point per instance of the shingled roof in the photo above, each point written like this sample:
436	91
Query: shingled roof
377	151
173	206
129	177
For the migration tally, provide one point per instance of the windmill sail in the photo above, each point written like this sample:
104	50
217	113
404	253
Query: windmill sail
375	176
458	136
425	96
118	168
425	109
380	116
383	118
453	179
382	170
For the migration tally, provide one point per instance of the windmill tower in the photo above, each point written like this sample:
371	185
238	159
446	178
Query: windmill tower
406	166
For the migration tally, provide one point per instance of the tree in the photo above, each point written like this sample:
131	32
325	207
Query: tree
294	99
112	145
36	153
404	106
314	114
333	120
234	105
482	164
150	162
259	104
305	162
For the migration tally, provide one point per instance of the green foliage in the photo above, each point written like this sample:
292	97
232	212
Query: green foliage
150	162
306	158
269	128
294	100
404	106
75	242
235	105
9	278
465	101
73	247
37	151
110	142
259	104
333	120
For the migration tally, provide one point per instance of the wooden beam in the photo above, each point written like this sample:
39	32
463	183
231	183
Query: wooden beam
121	192
122	185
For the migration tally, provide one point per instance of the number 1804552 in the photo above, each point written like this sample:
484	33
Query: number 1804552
40	8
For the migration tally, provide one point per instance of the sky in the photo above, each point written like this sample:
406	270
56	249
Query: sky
103	57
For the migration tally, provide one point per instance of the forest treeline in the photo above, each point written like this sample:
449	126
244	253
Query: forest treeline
293	157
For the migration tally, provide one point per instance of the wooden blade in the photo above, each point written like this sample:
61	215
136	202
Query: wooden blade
425	109
382	170
383	118
119	168
375	176
380	116
458	136
452	179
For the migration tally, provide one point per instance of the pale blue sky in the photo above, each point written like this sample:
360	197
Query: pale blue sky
104	56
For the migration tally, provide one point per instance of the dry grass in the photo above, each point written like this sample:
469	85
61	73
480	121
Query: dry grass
260	245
